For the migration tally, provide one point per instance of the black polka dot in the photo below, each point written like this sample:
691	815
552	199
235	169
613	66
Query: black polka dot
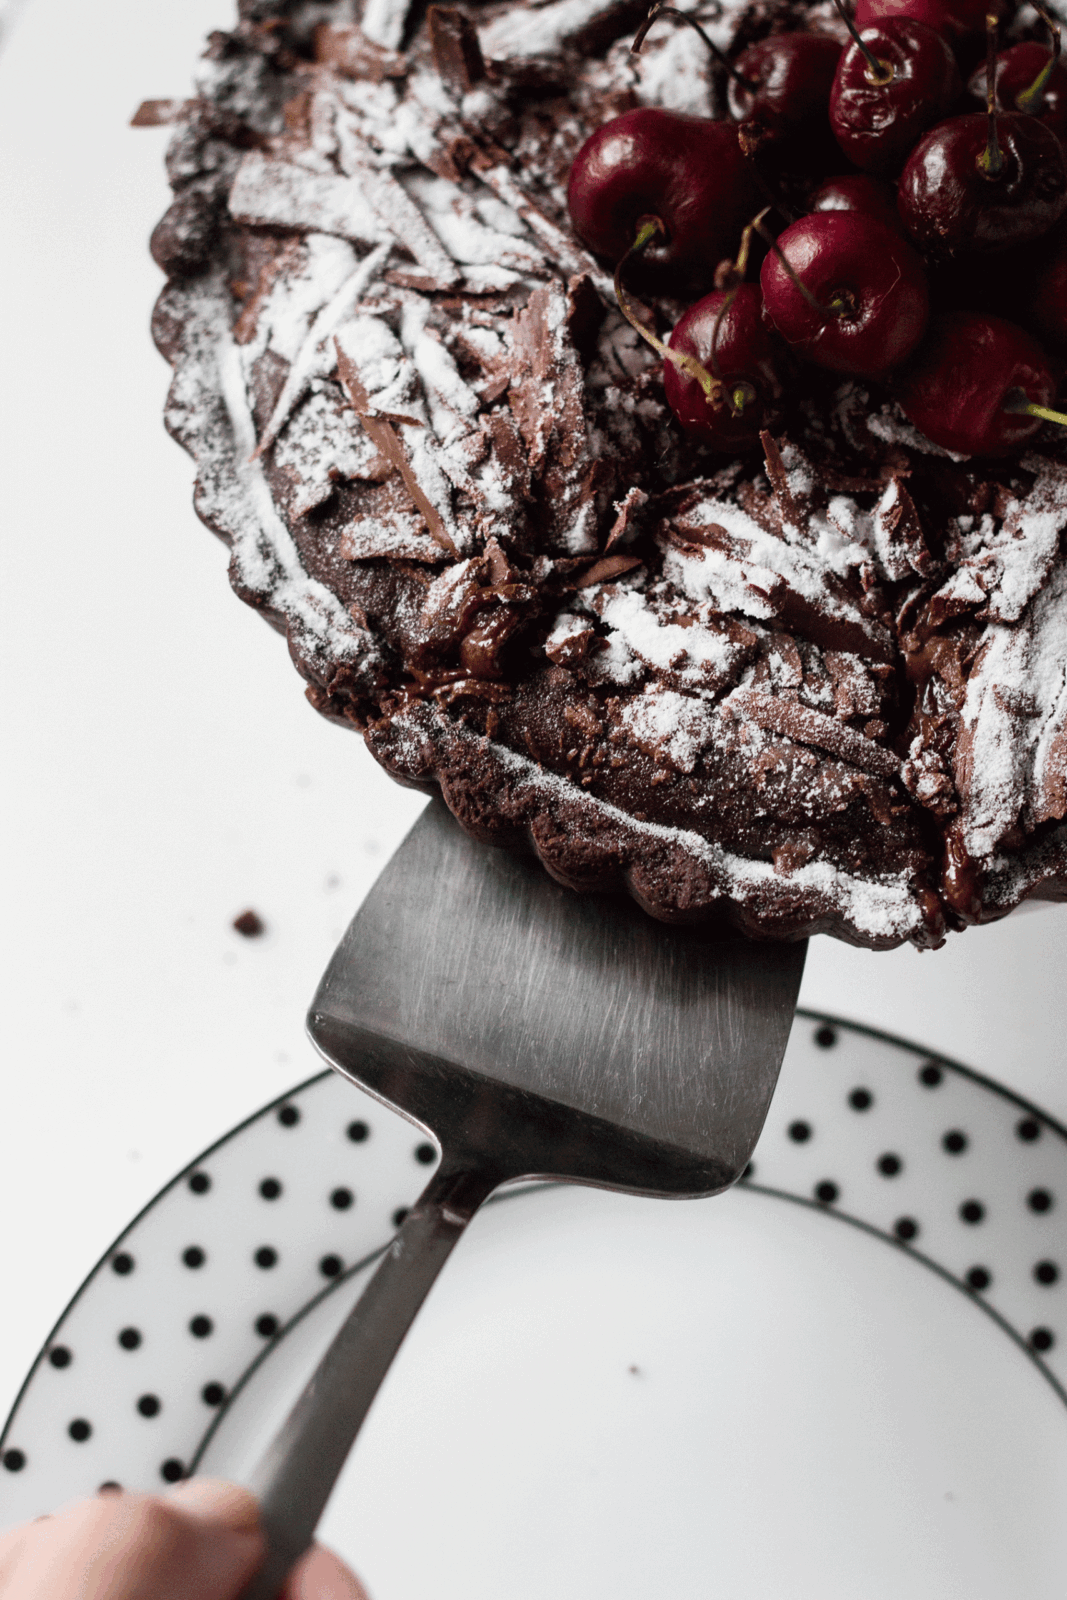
14	1460
357	1132
213	1394
1046	1272
861	1099
60	1356
331	1266
826	1037
424	1154
979	1278
194	1257
1042	1339
954	1143
200	1183
1028	1129
149	1405
266	1325
341	1199
826	1192
930	1075
399	1215
1039	1200
266	1257
749	1172
172	1470
201	1327
123	1264
110	1487
799	1132
288	1116
80	1430
270	1188
130	1338
906	1228
972	1211
889	1164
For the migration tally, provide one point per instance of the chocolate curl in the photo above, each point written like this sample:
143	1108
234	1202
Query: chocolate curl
457	54
801	723
607	567
157	113
380	431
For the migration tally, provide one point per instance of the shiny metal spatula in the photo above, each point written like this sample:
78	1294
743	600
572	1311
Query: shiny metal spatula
534	1033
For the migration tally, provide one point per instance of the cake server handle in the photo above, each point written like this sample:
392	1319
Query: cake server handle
293	1478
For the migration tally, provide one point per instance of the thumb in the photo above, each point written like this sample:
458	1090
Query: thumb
320	1575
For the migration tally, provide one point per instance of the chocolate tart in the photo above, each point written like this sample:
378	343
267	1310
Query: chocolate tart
819	690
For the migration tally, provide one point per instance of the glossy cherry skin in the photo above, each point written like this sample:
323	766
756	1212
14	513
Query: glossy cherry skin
1017	69
948	204
745	352
855	191
956	19
955	390
792	74
846	255
687	171
877	124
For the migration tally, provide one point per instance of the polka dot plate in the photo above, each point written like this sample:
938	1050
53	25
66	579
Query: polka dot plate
846	1377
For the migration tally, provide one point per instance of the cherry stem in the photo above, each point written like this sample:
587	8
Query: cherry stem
660	10
1018	404
740	269
838	305
647	229
1032	100
991	162
879	73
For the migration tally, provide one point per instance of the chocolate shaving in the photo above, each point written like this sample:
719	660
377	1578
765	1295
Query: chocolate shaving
351	53
626	509
605	569
157	113
457	55
806	726
382	434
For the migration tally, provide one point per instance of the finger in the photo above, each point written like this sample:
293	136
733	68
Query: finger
11	1546
320	1575
204	1545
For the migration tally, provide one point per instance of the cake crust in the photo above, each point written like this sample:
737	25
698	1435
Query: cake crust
821	691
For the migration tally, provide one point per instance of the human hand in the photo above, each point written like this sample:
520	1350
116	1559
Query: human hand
201	1541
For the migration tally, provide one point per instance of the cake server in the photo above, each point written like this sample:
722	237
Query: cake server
534	1033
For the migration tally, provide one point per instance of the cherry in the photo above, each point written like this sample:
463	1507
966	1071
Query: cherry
877	111
783	82
971	372
687	172
727	335
855	191
956	19
858	302
951	200
1018	70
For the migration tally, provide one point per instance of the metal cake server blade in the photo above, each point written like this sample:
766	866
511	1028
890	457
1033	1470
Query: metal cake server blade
534	1033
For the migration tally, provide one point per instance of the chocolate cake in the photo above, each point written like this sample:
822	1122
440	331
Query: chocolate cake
818	689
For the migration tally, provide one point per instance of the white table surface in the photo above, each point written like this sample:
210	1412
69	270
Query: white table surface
161	769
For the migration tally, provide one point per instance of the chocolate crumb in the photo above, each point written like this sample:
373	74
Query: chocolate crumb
249	925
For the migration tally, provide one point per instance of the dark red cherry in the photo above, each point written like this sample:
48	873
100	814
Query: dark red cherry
956	19
870	286
855	191
970	366
746	362
1017	71
687	171
948	203
791	75
877	117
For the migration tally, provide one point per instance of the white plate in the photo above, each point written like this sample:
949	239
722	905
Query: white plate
846	1378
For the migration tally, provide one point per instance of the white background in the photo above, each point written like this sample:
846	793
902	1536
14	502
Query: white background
161	770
